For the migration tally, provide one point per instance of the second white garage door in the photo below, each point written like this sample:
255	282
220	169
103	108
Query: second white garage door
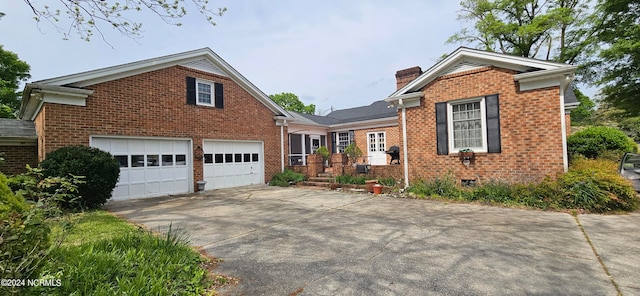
233	163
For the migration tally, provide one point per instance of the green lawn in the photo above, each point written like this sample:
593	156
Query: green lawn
100	254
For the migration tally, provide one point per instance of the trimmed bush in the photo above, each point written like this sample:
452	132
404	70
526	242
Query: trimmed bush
99	168
592	142
24	238
286	178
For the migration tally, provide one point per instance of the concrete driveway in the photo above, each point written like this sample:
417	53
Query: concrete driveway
283	241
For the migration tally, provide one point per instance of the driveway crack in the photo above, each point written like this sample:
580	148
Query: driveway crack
593	248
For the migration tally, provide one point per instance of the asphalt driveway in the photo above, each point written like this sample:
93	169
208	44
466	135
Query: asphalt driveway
283	241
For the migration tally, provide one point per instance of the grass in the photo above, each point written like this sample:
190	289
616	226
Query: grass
101	254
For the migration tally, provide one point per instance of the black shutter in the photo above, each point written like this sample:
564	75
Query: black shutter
191	91
219	95
323	141
307	144
493	124
352	136
442	138
333	142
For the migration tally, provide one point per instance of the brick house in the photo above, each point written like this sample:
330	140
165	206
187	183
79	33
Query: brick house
18	145
511	111
170	122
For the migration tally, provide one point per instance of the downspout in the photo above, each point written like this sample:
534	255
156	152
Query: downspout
565	157
404	143
282	145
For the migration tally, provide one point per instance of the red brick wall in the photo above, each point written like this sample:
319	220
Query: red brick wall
392	135
530	124
17	157
153	104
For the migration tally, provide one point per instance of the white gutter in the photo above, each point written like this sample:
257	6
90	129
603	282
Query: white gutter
404	143
282	148
563	121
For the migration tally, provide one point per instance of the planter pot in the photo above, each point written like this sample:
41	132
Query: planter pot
201	185
370	184
377	189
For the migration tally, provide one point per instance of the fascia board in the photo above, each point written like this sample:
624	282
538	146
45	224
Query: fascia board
36	94
500	60
19	141
545	78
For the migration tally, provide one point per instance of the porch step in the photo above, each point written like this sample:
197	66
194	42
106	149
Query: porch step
317	184
325	175
322	179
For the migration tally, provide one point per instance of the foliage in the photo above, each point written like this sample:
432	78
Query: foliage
12	72
590	185
291	102
50	193
631	127
24	237
617	66
346	179
99	168
593	141
353	152
552	30
582	114
389	181
286	178
85	17
105	255
324	152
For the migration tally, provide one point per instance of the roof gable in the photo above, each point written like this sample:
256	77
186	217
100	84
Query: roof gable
203	59
464	59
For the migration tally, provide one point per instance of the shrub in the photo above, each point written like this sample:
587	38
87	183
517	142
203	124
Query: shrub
596	186
324	152
593	141
353	152
346	179
24	238
389	181
592	185
286	178
631	127
99	168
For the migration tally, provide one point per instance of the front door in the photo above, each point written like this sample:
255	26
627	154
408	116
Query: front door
377	148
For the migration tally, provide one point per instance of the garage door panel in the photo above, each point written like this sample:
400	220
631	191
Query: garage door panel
152	167
234	163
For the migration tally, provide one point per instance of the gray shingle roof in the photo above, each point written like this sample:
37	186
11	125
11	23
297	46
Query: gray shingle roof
376	110
570	96
16	128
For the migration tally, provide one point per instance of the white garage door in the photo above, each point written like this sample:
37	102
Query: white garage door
232	163
148	167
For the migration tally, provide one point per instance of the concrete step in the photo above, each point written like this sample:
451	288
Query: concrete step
317	184
322	179
325	175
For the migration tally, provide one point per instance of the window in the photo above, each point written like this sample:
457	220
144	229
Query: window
167	160
208	158
137	160
467	125
152	160
204	93
181	159
343	141
471	123
376	142
123	160
219	158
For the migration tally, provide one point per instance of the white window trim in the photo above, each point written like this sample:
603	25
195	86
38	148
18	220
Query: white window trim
213	93
340	149
377	138
483	118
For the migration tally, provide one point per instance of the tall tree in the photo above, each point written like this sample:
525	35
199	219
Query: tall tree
12	72
87	16
617	68
291	102
547	29
582	115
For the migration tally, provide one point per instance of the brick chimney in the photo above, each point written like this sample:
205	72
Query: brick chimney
403	77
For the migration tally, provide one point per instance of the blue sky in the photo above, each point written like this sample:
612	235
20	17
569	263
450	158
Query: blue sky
330	53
